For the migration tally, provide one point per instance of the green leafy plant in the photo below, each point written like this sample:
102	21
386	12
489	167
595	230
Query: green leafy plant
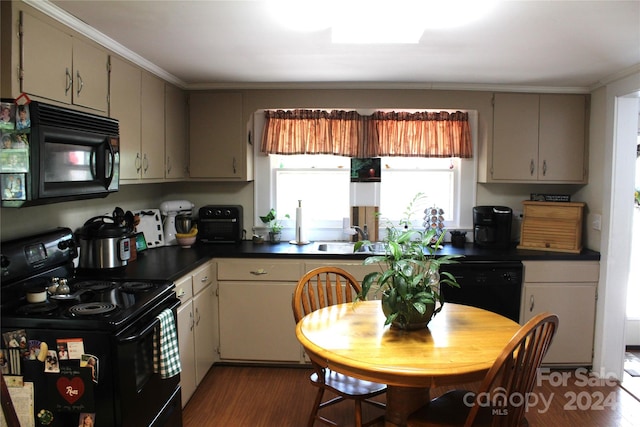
410	282
271	219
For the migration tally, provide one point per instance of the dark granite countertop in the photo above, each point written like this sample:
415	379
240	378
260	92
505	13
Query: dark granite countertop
172	262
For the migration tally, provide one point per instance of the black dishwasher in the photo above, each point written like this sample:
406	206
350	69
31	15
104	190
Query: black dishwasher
492	285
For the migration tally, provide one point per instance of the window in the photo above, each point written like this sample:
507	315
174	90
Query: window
323	184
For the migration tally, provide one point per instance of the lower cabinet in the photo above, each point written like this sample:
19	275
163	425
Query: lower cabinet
197	332
568	289
256	319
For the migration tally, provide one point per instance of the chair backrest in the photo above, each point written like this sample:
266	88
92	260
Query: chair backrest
322	287
509	382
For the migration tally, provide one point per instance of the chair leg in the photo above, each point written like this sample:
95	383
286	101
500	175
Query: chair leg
316	406
358	413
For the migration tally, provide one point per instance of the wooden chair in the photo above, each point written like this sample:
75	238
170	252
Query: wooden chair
322	287
513	375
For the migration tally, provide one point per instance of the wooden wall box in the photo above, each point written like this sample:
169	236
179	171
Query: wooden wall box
552	226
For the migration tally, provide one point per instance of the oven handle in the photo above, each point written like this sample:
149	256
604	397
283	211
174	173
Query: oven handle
146	329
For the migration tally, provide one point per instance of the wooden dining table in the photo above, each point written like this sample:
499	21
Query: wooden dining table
459	345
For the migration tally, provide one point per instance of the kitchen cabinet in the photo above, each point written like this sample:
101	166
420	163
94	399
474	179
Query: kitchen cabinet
176	139
152	127
218	147
62	67
538	138
125	105
256	320
197	332
137	101
568	289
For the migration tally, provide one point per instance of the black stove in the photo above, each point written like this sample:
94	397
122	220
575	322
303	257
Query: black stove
110	320
92	302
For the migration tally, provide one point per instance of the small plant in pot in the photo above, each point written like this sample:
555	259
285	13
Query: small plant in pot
410	283
275	226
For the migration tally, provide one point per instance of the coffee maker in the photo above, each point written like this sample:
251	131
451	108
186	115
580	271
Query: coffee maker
492	226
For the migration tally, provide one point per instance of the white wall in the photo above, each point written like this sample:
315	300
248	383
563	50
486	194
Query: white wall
618	128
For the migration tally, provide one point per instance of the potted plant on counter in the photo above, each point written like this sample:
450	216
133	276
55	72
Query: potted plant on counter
275	225
409	279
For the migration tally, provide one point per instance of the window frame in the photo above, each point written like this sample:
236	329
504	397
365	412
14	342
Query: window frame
265	193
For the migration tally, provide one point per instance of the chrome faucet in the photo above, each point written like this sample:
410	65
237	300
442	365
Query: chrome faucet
363	232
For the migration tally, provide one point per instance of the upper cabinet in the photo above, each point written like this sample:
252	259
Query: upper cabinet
219	146
538	138
126	82
137	101
176	138
152	127
62	67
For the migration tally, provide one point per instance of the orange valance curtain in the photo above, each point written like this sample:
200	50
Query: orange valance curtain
347	133
422	134
312	132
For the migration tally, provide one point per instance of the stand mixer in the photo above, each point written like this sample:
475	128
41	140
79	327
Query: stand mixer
170	210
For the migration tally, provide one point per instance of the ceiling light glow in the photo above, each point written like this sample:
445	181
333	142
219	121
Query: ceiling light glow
377	21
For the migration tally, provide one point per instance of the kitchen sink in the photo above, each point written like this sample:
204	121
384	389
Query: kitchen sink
347	248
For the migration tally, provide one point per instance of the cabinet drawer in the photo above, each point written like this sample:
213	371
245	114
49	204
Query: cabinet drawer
202	277
259	270
184	288
561	271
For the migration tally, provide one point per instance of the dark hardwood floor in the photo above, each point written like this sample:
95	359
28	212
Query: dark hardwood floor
241	396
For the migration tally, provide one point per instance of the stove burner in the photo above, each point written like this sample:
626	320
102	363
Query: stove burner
136	286
39	308
91	308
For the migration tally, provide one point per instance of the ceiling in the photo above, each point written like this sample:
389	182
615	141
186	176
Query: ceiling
557	45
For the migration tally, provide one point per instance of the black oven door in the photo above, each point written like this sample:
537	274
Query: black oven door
144	395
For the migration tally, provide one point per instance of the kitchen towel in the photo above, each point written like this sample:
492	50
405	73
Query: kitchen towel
166	356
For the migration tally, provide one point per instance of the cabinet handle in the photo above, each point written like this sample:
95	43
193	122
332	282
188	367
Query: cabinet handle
532	167
544	167
259	272
80	83
145	163
205	279
531	303
191	321
197	317
234	165
168	165
69	81
138	163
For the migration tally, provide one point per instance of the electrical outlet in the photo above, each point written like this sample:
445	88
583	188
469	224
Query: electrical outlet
596	222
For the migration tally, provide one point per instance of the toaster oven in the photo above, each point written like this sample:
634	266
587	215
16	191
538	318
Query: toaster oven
220	224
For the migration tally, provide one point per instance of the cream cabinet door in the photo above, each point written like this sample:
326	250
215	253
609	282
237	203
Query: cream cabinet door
186	344
152	127
204	331
216	136
575	305
515	137
125	104
90	76
47	60
63	68
176	141
562	138
257	322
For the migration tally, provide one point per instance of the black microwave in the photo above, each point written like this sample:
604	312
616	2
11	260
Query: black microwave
52	154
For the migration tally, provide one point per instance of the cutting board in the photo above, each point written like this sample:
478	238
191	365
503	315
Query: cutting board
151	226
